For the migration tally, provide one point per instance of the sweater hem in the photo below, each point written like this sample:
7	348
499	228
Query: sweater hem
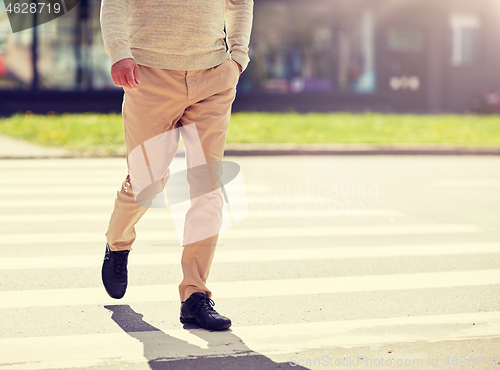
179	62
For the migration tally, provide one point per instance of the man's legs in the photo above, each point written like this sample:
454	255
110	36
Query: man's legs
148	112
149	115
213	91
165	98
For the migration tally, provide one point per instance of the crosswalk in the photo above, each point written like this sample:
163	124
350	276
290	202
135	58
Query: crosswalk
290	282
259	288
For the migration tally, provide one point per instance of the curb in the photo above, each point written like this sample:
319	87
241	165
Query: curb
242	150
355	149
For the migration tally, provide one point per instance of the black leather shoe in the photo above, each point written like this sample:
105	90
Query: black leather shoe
114	272
198	310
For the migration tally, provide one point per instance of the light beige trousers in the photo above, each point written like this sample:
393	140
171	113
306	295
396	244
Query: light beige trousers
165	100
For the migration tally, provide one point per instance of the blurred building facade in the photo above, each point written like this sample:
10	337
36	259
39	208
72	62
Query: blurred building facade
422	56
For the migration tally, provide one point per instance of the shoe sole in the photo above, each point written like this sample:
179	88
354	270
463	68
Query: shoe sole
193	321
117	296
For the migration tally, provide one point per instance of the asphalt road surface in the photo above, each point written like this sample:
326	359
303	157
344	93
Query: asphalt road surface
342	262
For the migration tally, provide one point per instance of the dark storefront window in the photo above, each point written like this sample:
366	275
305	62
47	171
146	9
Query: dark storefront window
16	70
56	53
71	54
405	39
307	47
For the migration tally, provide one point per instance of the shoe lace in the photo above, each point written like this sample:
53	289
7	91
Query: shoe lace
208	304
119	261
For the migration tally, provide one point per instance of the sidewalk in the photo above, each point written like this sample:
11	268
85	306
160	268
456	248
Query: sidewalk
14	148
18	149
355	149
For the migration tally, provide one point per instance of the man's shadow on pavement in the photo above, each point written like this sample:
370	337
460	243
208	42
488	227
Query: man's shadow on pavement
162	350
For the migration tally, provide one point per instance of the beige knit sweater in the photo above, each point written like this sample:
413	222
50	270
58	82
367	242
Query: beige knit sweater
177	34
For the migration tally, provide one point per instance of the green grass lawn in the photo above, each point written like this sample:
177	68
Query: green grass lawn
103	133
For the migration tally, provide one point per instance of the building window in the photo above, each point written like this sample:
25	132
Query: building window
302	47
405	39
70	53
465	41
16	68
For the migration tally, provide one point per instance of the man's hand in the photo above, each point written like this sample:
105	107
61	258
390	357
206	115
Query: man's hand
125	73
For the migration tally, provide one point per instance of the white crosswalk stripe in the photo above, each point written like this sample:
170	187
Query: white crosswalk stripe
165	216
257	233
345	240
259	288
466	182
93	350
227	256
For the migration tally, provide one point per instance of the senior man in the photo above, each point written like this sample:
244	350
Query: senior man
178	62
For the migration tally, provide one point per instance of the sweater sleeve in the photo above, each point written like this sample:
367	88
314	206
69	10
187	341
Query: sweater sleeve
113	19
239	16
